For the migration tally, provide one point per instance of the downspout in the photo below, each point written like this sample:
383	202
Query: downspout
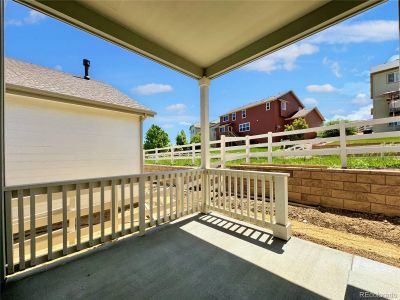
2	160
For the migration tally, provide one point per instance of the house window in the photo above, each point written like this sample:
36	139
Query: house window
244	114
394	124
393	77
244	127
283	105
222	129
268	106
225	118
234	116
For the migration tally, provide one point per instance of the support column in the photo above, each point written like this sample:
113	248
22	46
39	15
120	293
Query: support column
2	160
141	120
204	84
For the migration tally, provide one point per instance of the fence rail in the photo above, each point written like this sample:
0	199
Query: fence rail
278	144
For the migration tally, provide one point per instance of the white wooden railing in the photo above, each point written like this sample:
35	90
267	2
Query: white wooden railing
221	150
51	220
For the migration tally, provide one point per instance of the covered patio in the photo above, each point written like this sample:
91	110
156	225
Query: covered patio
186	251
210	257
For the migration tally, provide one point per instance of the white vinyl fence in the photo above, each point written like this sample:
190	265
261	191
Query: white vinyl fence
234	148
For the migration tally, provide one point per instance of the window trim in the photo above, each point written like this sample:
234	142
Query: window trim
284	103
227	118
242	127
234	116
396	77
245	114
268	106
221	129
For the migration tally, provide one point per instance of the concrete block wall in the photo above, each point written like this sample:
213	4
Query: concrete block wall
372	191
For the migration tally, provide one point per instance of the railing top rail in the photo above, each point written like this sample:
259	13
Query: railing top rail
276	174
91	180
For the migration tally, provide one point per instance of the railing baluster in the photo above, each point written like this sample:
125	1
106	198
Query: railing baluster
248	196
177	194
235	188
21	230
187	193
151	196
49	223
32	226
114	210
90	217
64	220
158	200
142	207
131	208
9	233
230	193
171	196
255	197
78	217
102	210
192	181
241	194
165	198
271	200
263	199
198	181
214	176
122	206
182	199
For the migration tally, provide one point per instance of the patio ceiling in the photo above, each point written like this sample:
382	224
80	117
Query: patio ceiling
202	38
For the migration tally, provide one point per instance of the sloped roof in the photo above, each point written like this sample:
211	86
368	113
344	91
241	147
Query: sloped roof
262	101
27	76
304	112
212	123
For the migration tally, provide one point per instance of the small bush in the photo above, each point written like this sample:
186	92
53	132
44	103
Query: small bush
336	132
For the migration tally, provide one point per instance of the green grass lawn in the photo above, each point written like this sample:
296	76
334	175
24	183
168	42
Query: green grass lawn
386	140
332	161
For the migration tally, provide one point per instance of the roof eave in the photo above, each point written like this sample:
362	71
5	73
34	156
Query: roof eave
20	90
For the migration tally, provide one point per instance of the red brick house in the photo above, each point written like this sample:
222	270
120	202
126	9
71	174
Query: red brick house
271	114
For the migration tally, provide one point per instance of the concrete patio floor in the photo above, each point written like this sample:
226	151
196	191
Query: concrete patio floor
209	257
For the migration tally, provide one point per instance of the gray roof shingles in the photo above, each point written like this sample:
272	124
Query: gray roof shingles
27	75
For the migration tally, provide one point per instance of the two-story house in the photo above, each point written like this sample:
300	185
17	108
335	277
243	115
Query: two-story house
385	87
195	128
268	115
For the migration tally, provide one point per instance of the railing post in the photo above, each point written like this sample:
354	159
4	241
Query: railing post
205	191
247	149
142	205
193	154
156	154
270	147
281	228
342	139
222	148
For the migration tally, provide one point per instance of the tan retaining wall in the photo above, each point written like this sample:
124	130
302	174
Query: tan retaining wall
163	168
374	191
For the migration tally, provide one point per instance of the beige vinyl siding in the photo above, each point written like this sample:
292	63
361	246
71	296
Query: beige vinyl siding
50	141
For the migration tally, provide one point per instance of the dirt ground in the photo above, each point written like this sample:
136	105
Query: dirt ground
372	236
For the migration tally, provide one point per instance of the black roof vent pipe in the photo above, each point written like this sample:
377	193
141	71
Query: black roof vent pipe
86	63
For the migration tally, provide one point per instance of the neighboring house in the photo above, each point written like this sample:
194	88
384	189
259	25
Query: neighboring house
385	87
195	128
268	115
61	127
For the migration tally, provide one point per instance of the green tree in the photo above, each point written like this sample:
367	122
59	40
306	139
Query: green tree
196	138
181	138
156	137
336	132
299	123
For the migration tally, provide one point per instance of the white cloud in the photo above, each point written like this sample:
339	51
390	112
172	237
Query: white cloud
354	88
33	17
152	88
178	107
359	32
323	88
361	99
284	59
363	113
337	111
310	101
184	123
333	65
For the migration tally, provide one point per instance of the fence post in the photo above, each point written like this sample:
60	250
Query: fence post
247	149
270	147
281	228
343	152
156	153
193	154
222	151
172	154
142	205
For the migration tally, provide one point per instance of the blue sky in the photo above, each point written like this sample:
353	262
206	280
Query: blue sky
329	70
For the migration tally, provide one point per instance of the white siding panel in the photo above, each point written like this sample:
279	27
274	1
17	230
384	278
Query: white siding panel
51	141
